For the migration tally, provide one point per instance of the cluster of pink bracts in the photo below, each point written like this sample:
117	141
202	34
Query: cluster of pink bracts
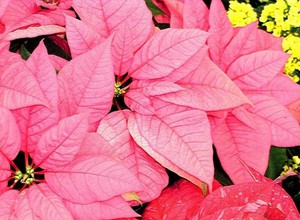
198	83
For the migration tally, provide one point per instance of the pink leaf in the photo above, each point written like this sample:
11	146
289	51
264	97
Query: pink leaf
176	10
59	145
108	16
113	208
285	129
220	29
3	5
178	138
238	140
7	202
9	137
257	69
81	37
19	88
138	102
294	108
195	15
31	32
42	202
88	87
281	87
90	179
239	201
171	46
180	201
5	172
152	176
34	120
207	88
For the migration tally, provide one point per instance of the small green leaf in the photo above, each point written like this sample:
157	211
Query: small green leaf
24	52
276	162
153	8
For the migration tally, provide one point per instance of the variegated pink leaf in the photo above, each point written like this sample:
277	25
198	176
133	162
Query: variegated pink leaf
34	120
285	129
86	83
7	203
257	69
264	200
90	179
281	87
19	88
152	176
178	138
59	145
207	88
172	46
81	37
113	208
108	16
220	29
237	140
10	139
195	15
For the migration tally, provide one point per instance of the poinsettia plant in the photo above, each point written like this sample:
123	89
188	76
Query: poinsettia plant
101	108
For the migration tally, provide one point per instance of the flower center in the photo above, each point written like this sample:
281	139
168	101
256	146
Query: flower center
53	2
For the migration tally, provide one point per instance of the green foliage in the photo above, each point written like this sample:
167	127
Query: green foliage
277	159
153	8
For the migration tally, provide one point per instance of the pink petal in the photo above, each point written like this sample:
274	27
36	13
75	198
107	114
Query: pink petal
31	32
220	29
113	208
10	139
90	179
35	120
81	38
108	16
207	88
195	15
7	202
180	201
86	83
285	129
152	176
19	88
178	138
59	145
257	69
171	46
238	140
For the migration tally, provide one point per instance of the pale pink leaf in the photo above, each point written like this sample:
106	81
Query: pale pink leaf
152	176
10	139
59	145
90	179
113	208
257	69
173	47
57	62
19	88
294	108
285	129
207	88
138	102
3	5
108	16
281	87
238	140
195	15
178	138
179	201
81	37
7	202
265	199
220	29
34	120
176	12
31	32
86	83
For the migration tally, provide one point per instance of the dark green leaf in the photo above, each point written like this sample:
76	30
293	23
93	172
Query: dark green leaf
277	159
153	8
24	52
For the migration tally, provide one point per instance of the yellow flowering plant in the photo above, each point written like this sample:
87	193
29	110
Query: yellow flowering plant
279	17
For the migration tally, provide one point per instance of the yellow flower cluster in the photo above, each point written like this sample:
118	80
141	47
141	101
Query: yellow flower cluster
292	165
241	14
